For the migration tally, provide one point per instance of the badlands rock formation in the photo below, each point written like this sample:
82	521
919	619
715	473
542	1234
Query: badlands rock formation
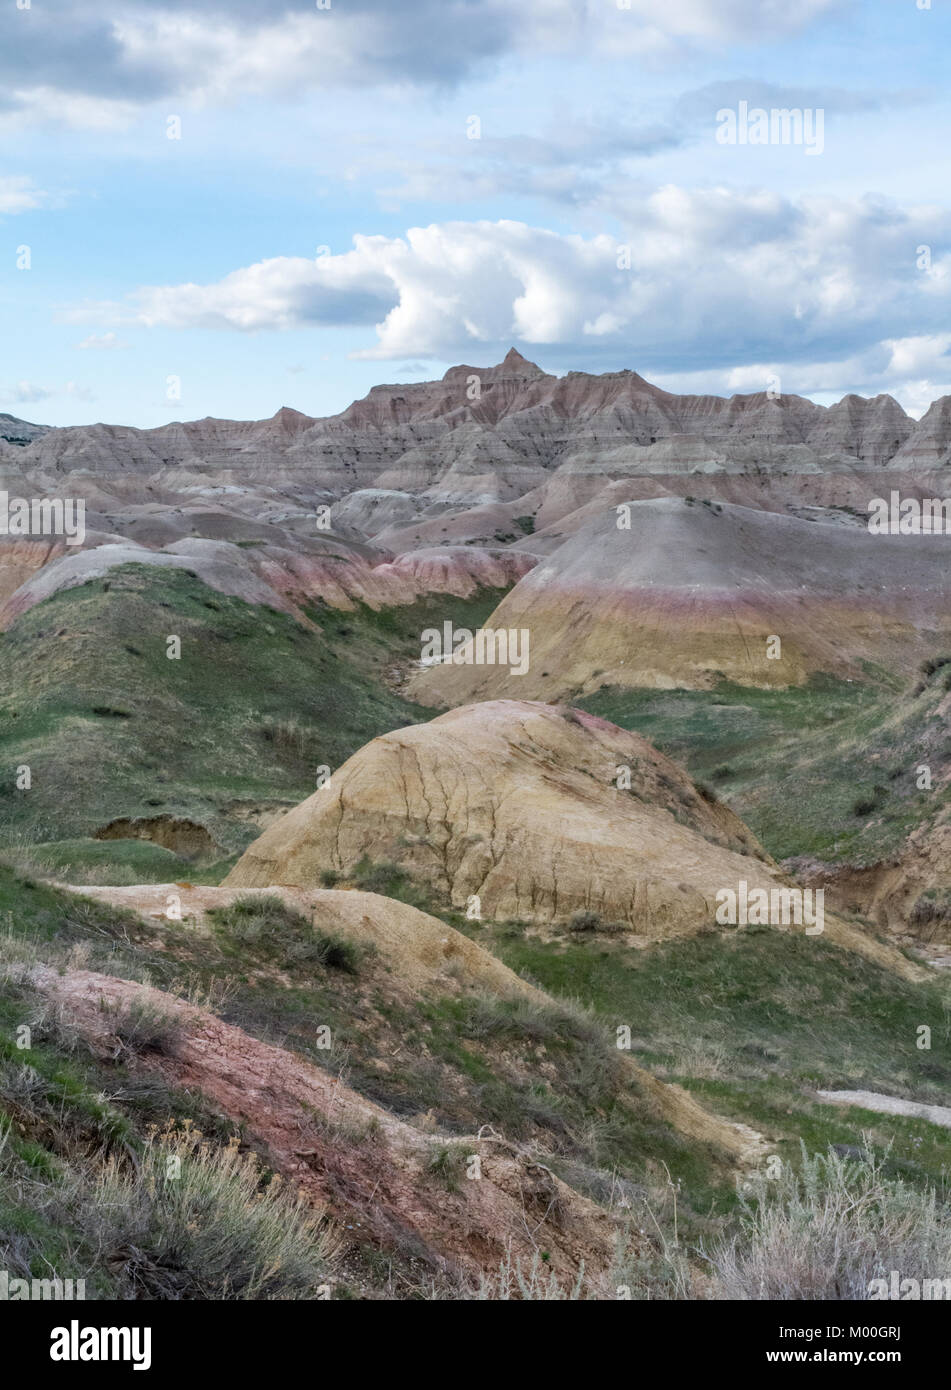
895	894
523	423
517	805
426	447
427	468
17	432
423	466
286	576
692	592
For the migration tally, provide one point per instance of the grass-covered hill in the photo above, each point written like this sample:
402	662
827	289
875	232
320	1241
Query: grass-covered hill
751	1023
828	770
113	729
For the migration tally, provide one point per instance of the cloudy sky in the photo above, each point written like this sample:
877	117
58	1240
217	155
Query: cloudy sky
223	207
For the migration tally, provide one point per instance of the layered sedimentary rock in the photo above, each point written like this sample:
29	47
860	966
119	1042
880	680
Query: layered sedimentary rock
689	593
515	810
287	576
503	456
504	434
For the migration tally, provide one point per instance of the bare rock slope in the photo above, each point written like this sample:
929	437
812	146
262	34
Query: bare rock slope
691	592
517	805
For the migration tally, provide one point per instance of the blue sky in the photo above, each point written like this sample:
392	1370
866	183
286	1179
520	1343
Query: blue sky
325	222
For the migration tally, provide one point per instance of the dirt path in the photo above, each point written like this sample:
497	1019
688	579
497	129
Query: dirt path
890	1105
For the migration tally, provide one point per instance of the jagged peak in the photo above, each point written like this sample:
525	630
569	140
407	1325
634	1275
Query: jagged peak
515	364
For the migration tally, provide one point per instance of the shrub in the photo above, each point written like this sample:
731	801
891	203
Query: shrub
142	1027
383	877
262	922
529	1281
827	1231
531	1020
391	882
585	920
202	1222
448	1163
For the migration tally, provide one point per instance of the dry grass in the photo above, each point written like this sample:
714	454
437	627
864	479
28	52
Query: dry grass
186	1219
827	1231
531	1281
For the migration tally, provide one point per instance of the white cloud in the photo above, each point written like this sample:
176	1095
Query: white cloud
30	393
18	193
79	393
735	285
102	342
285	292
24	393
916	371
100	61
48	105
708	273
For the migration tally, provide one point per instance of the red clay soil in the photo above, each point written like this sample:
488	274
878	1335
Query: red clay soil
370	1171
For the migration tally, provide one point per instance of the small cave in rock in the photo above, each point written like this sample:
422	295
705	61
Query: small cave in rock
184	837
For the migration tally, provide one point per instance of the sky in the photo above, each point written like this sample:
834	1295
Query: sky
226	207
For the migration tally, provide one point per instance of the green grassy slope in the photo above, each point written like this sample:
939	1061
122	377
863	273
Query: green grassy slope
828	770
754	1022
546	1075
110	727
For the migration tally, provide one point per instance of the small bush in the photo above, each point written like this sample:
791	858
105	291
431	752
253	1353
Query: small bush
535	1021
527	1281
142	1027
382	878
261	922
586	920
202	1222
827	1231
391	881
448	1164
